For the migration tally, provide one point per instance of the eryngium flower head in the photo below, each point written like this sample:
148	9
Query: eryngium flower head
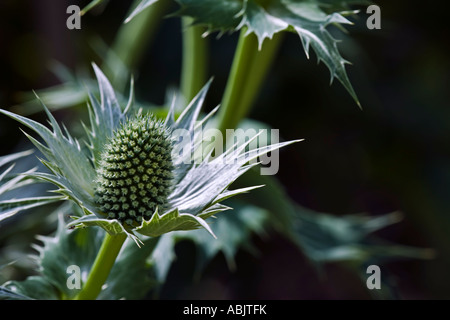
129	179
134	175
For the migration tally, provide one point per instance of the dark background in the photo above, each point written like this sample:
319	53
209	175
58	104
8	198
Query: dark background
391	156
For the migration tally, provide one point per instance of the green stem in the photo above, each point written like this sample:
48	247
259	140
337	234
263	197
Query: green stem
195	59
249	69
102	266
132	40
90	6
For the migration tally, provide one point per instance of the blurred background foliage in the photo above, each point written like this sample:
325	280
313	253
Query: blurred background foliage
391	157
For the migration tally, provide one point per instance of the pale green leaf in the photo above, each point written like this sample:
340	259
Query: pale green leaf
9	182
70	190
171	221
64	95
105	115
4	173
13	182
187	120
311	23
61	150
231	193
139	8
112	226
8	208
213	209
189	116
203	183
260	22
11	157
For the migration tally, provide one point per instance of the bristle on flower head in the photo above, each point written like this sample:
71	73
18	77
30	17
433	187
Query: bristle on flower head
134	175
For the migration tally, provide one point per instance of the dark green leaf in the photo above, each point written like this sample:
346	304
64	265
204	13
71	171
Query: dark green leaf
233	230
131	276
215	15
309	19
66	248
311	23
34	287
8	294
324	237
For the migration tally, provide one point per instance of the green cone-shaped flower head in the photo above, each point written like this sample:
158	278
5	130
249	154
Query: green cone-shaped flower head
134	175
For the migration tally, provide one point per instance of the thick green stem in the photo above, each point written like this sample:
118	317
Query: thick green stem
249	69
195	59
102	266
132	40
